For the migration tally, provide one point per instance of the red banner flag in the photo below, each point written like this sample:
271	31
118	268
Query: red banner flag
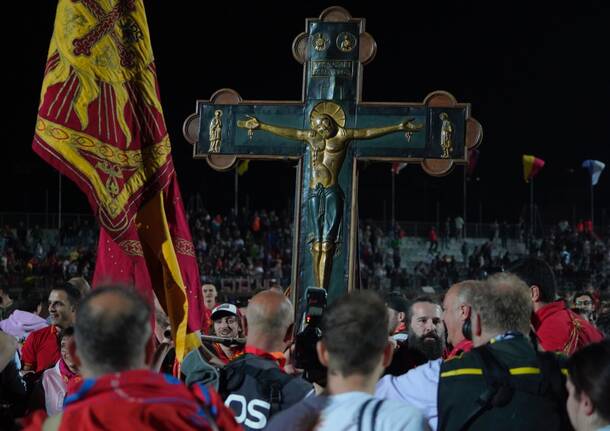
100	123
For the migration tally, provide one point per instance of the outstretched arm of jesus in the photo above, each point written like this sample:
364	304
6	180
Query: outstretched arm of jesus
252	123
408	125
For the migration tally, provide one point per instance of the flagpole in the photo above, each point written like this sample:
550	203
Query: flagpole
59	205
236	197
532	208
592	208
464	199
46	208
393	199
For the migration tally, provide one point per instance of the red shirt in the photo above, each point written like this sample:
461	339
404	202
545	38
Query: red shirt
256	224
559	329
41	349
462	347
401	328
206	320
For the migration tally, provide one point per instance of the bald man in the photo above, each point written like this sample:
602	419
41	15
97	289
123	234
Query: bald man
119	391
255	385
457	307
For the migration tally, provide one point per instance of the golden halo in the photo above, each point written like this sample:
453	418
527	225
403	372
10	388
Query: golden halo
331	109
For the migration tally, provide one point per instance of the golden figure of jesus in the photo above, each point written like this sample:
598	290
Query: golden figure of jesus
328	139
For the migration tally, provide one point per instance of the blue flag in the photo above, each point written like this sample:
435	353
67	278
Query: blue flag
595	168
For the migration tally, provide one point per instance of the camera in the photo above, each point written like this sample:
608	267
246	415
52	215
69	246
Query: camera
305	354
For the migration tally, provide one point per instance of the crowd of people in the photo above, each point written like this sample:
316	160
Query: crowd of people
40	258
504	352
579	257
257	246
69	354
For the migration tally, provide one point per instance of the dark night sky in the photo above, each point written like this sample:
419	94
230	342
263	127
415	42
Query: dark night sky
538	81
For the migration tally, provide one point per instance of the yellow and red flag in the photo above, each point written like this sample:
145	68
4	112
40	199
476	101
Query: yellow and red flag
531	166
100	123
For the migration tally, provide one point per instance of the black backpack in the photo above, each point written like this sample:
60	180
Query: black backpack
268	386
500	388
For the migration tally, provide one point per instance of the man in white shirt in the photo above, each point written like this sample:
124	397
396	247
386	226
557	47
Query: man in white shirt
419	386
456	395
355	349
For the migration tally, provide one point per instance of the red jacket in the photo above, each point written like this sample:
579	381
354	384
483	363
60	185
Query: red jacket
559	329
140	400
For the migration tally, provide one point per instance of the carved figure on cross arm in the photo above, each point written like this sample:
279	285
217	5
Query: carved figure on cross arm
446	136
216	132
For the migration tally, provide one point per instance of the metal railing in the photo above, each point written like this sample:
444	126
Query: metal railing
469	230
49	220
45	220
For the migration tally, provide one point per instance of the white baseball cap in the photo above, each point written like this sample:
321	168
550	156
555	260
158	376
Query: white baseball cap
224	309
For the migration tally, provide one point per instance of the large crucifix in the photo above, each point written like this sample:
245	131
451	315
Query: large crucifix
327	132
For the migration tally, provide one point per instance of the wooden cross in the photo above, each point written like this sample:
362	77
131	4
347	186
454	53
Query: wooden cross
327	132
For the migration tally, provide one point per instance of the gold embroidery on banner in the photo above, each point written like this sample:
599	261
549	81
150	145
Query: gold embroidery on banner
103	49
82	141
144	163
184	246
132	247
118	225
113	172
